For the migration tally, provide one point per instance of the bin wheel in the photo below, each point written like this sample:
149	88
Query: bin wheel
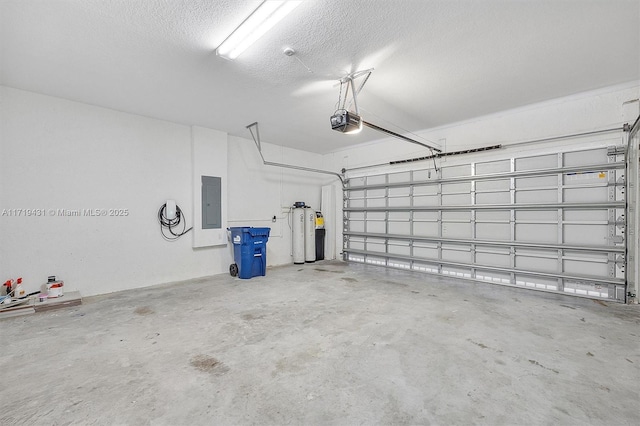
233	270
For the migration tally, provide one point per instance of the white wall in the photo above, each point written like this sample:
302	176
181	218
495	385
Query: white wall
58	154
258	192
209	158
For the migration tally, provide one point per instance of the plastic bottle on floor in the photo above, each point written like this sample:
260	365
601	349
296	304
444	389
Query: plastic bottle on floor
19	292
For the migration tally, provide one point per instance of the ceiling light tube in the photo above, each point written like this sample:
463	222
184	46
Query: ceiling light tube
255	26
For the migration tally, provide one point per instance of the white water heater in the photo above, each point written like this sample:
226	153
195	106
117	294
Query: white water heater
298	228
309	235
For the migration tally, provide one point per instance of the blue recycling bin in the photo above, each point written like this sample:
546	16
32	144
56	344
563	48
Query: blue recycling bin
249	251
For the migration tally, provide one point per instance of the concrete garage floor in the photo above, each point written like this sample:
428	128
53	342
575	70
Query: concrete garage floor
324	343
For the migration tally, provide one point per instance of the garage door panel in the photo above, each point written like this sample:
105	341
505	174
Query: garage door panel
536	282
357	194
493	185
493	231
455	171
356	243
538	233
357	203
453	271
358	181
399	177
596	235
456	256
401	228
449	216
491	167
424	175
356	226
426	229
403	250
493	259
376	179
500	215
536	182
376	227
399	192
586	157
376	216
449	188
536	263
428	267
576	267
425	190
585	178
425	252
375	245
426	201
456	200
541	196
493	276
376	193
587	288
536	163
456	230
430	216
585	195
398	202
553	222
399	216
586	215
537	216
493	198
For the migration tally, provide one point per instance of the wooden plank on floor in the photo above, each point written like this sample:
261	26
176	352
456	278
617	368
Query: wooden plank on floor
69	299
15	311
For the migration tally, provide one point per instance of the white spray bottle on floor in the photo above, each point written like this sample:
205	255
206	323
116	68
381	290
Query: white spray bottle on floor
19	292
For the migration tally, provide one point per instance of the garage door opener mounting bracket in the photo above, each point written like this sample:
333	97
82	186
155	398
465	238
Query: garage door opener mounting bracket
350	122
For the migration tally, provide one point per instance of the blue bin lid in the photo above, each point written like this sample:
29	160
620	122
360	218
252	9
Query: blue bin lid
239	229
255	232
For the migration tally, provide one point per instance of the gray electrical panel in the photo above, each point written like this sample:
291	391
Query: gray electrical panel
211	202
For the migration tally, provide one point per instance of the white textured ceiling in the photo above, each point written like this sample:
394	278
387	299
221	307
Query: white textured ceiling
436	62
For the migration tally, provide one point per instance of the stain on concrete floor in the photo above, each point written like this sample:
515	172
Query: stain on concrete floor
252	317
328	270
208	364
144	310
534	362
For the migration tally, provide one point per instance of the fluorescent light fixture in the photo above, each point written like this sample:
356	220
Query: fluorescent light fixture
255	26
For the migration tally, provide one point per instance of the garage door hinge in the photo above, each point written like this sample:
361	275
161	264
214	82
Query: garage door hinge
616	150
616	239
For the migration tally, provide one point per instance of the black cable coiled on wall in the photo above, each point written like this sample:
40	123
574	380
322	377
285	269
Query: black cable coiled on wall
171	223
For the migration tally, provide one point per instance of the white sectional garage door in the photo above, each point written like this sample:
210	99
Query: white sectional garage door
553	222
